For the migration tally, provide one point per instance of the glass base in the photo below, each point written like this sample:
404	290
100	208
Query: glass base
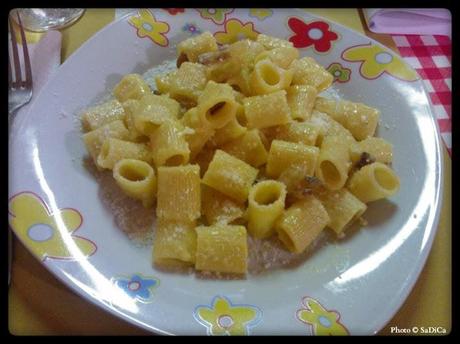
44	19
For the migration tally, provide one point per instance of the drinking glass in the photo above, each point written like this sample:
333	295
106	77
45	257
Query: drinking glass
43	19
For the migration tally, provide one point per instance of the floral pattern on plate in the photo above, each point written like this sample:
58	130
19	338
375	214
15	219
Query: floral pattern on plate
192	29
217	15
340	73
48	233
174	11
316	34
376	61
322	321
260	13
236	30
147	26
137	286
224	318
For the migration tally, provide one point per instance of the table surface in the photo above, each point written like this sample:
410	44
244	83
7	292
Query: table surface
39	304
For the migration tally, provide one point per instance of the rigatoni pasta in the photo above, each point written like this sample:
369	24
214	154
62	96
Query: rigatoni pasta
265	204
267	77
333	162
237	142
219	208
361	120
342	207
267	110
308	72
94	139
301	100
222	248
229	175
113	150
283	154
174	244
178	193
216	105
374	182
249	148
169	147
137	179
301	223
152	111
378	149
99	115
193	47
131	86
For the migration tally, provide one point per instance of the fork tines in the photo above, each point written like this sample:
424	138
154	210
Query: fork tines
18	82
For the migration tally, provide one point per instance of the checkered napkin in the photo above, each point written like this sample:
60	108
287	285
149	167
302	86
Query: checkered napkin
431	57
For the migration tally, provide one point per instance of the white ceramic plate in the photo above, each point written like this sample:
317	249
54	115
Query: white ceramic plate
353	286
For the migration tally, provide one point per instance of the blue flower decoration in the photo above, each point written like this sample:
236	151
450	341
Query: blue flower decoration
191	28
138	287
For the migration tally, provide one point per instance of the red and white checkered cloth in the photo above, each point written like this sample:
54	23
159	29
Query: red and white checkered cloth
431	56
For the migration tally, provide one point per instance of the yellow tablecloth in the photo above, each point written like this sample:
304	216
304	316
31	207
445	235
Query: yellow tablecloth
40	305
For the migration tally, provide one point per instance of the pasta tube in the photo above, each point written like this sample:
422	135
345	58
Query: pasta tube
178	193
229	175
342	207
174	244
197	45
333	162
301	100
378	148
217	105
130	107
94	139
113	150
152	111
99	115
267	77
267	110
308	72
270	42
374	182
301	224
281	56
131	86
265	204
361	120
137	179
219	208
169	146
297	132
221	248
283	154
248	148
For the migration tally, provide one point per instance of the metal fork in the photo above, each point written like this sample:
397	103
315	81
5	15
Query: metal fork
19	90
19	94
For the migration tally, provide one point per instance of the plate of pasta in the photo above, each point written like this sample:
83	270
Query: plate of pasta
231	172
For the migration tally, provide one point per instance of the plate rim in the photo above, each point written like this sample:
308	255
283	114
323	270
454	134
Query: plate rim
422	255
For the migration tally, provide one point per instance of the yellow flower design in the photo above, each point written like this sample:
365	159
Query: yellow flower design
376	61
148	26
235	30
324	322
224	318
260	13
47	234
